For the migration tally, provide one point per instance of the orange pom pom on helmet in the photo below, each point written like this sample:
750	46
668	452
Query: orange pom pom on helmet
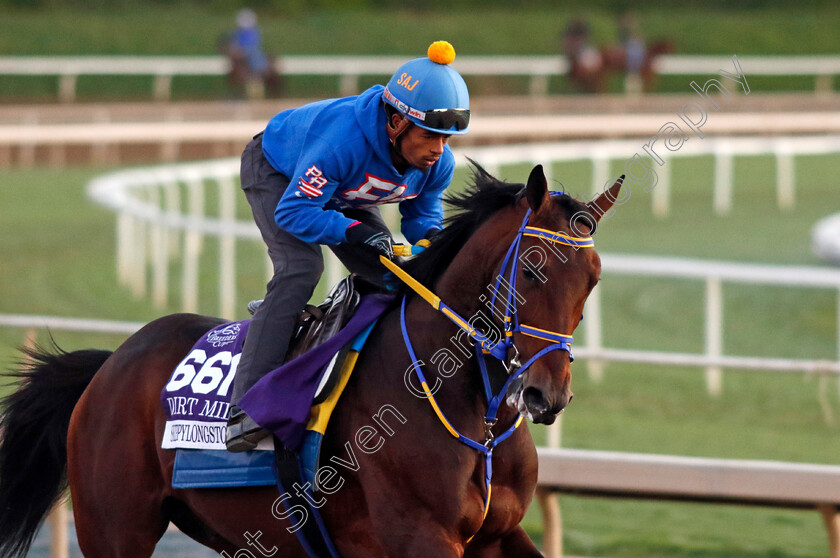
441	52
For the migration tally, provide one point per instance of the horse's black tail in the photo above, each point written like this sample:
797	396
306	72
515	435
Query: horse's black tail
33	449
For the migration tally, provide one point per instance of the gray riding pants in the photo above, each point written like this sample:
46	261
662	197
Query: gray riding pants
298	266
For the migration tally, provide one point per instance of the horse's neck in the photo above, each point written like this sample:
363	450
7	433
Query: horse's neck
449	362
442	345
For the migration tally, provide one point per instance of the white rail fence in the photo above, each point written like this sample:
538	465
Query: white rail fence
154	222
158	206
826	238
687	479
104	140
348	69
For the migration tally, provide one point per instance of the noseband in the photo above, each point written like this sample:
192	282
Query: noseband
484	345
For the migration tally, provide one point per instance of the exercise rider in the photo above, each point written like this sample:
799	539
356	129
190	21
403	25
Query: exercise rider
315	176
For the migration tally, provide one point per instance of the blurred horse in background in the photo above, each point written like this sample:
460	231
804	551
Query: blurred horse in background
245	79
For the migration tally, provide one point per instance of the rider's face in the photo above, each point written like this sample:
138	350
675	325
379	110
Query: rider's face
422	148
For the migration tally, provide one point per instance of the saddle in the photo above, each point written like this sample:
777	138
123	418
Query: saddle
316	324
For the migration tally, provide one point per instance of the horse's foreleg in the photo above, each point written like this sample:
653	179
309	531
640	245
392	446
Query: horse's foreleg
418	540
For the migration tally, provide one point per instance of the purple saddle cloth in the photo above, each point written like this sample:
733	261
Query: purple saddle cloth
281	400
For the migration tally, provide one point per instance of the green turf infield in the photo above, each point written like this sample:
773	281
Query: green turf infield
57	252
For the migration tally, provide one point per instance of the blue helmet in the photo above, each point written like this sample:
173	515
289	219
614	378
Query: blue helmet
430	93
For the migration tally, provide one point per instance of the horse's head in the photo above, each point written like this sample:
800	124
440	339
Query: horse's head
530	250
554	275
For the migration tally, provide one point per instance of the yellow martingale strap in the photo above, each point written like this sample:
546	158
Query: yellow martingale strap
458	320
438	412
415	285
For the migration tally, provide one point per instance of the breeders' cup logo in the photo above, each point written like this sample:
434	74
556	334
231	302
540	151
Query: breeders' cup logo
224	336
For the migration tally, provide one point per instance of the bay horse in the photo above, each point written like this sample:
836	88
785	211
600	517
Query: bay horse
592	71
403	487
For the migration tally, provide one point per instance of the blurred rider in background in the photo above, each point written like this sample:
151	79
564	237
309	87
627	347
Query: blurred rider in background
246	42
316	175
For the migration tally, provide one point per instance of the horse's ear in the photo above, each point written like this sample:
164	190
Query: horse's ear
605	201
537	188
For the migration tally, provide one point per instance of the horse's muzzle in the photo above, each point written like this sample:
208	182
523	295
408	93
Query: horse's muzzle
540	409
531	402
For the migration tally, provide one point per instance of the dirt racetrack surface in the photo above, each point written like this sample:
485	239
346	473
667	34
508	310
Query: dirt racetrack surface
253	115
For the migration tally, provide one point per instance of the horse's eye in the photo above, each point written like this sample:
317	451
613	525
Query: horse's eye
529	274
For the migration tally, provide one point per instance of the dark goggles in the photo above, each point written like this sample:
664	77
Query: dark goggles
447	119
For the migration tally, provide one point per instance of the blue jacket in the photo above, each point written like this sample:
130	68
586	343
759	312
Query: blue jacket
336	154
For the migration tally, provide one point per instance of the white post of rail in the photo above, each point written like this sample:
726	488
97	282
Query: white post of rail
838	336
138	258
172	204
57	518
554	434
160	256
333	265
192	246
600	172
545	161
550	502
823	84
59	540
714	334
492	167
723	179
67	88
538	85
553	523
594	333
26	148
124	245
348	84
661	197
227	247
785	186
162	89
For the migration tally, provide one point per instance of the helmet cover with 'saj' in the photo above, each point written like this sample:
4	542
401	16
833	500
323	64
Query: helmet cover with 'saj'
430	93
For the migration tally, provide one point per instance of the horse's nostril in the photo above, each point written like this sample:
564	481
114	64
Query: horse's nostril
534	399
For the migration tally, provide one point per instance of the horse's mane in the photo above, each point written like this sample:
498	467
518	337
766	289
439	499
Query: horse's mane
482	198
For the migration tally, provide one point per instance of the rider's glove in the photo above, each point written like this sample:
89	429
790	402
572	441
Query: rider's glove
365	235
